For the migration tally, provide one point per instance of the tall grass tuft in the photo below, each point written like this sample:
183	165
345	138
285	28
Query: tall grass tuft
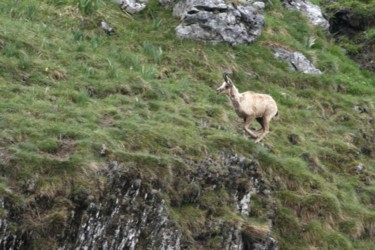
88	6
155	53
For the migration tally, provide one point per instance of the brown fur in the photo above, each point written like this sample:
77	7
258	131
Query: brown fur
249	105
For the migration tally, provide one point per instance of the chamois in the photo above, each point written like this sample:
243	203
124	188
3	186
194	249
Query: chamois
249	105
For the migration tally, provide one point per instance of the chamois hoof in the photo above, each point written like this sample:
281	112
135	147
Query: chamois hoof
259	132
253	137
258	140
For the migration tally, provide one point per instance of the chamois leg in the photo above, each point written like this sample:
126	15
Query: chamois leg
260	121
247	124
266	128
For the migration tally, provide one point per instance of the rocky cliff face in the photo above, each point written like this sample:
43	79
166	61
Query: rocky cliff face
9	239
125	216
134	213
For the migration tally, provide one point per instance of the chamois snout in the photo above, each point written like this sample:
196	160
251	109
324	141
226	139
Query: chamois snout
223	88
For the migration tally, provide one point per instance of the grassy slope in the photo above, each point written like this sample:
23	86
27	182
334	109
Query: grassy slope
67	89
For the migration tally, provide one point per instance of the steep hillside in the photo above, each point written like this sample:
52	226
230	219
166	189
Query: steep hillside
121	142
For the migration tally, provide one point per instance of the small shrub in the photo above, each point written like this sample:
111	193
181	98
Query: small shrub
49	145
370	35
82	98
350	47
310	41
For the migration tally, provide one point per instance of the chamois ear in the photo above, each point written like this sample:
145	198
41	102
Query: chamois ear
225	76
227	79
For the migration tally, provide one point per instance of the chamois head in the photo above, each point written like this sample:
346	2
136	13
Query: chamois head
226	86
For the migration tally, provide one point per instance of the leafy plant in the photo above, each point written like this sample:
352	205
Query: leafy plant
310	41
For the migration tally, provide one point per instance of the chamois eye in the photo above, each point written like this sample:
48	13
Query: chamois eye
227	87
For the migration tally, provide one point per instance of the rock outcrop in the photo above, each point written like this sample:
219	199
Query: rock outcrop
132	213
242	179
125	216
106	28
217	21
297	61
9	239
132	6
311	11
345	22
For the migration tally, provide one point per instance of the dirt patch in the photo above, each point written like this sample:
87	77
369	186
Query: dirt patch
66	149
5	156
107	121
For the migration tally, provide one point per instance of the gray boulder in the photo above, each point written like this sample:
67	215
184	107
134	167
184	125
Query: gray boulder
297	61
132	6
217	21
311	11
107	29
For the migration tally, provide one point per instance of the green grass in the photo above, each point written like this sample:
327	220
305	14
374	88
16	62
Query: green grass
67	89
